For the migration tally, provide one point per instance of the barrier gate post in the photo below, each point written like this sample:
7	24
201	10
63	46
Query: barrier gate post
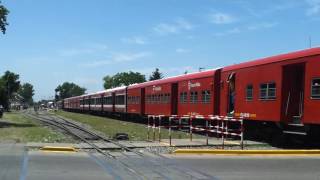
170	130
207	133
190	124
159	125
148	135
222	130
242	130
153	128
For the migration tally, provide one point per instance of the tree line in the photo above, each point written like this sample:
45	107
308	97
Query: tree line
11	89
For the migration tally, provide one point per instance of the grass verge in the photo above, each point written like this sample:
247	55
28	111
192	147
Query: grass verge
18	128
110	127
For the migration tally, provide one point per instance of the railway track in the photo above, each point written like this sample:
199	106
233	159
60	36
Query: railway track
139	165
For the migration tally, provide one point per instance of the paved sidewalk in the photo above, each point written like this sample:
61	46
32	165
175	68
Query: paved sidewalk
142	144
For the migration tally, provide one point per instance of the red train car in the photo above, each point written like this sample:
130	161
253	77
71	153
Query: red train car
283	89
190	94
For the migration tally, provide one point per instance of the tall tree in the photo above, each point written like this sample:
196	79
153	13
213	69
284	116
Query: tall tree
156	75
123	79
3	18
26	91
68	89
10	85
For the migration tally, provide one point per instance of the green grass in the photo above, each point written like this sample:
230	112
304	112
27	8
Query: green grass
110	127
18	128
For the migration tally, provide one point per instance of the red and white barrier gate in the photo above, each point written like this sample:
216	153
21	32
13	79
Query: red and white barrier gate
222	126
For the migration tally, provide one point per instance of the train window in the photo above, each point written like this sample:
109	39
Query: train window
183	97
109	100
249	92
162	98
120	100
138	99
159	98
194	97
205	96
268	91
315	88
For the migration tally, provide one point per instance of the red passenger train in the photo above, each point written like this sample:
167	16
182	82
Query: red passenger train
280	92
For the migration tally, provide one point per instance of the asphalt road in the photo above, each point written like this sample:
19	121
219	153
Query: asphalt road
255	167
15	163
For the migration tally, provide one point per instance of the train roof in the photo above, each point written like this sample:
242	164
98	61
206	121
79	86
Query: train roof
274	59
178	78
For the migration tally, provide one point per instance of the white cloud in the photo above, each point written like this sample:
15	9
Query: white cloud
253	27
179	25
119	58
230	31
87	81
314	7
134	40
221	18
90	49
182	50
263	25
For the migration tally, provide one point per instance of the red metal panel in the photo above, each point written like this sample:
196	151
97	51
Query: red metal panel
134	107
274	59
158	108
198	85
311	106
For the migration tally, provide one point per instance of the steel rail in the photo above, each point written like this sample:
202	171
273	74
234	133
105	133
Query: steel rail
106	154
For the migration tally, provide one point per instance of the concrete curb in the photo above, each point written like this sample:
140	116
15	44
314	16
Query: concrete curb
58	149
247	152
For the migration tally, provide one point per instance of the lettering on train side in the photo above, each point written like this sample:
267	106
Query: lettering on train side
192	85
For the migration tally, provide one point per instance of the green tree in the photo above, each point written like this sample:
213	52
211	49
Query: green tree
3	18
26	91
123	79
67	90
156	75
10	84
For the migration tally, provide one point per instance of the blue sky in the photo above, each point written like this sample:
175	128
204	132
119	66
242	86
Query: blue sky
49	42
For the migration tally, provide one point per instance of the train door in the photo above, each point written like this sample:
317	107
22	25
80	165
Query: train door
292	93
174	98
231	93
142	101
